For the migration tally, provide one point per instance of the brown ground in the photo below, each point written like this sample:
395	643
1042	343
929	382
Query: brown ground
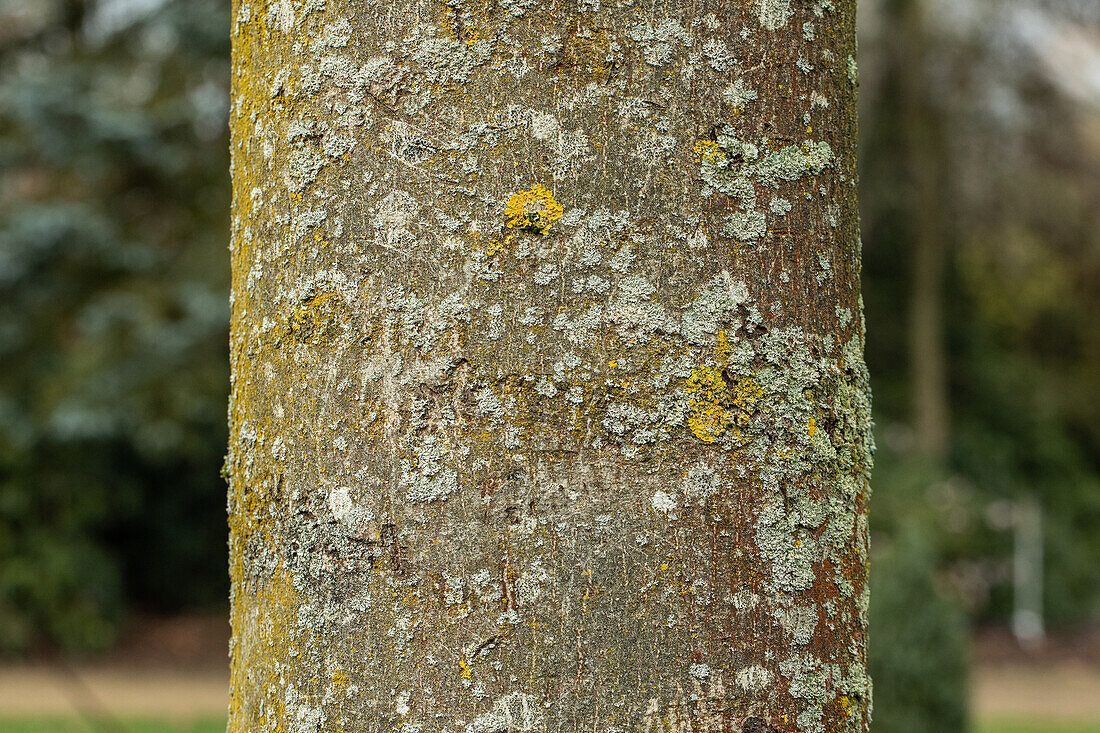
1058	681
177	668
40	690
160	668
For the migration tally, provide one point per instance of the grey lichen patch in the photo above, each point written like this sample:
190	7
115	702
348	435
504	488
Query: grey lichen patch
445	60
429	477
633	309
736	168
353	517
754	678
779	206
655	147
700	671
516	8
454	589
517	711
730	165
718	55
807	679
305	221
798	621
633	425
790	553
280	14
774	14
306	161
826	266
546	388
663	502
739	94
701	483
746	225
793	162
715	306
661	40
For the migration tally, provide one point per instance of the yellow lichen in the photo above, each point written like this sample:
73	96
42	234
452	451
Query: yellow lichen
715	407
534	210
709	397
587	53
707	151
317	316
724	348
746	393
266	634
811	428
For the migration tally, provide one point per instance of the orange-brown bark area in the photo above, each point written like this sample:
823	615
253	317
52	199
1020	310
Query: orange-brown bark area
549	409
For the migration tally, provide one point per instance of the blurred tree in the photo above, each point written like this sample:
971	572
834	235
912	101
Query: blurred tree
1027	279
1009	121
925	161
979	180
113	208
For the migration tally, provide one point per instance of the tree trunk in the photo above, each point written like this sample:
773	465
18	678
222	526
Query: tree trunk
924	156
549	409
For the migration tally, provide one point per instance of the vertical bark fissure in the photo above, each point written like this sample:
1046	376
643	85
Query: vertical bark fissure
549	409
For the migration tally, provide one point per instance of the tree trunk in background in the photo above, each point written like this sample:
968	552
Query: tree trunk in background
549	409
925	155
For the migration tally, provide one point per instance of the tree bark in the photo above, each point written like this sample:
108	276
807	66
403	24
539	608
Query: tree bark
549	409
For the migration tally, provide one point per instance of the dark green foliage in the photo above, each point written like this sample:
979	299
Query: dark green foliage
918	642
1016	198
113	227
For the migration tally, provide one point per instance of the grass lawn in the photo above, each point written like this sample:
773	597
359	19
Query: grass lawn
1016	725
128	725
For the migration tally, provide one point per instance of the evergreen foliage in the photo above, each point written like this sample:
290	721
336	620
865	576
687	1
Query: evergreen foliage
113	227
918	643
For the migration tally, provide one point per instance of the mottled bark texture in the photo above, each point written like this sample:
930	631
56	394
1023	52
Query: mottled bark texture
549	409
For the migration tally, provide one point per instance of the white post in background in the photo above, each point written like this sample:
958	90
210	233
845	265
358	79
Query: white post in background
1027	573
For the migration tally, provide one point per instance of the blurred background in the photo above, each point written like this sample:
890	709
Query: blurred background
980	198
